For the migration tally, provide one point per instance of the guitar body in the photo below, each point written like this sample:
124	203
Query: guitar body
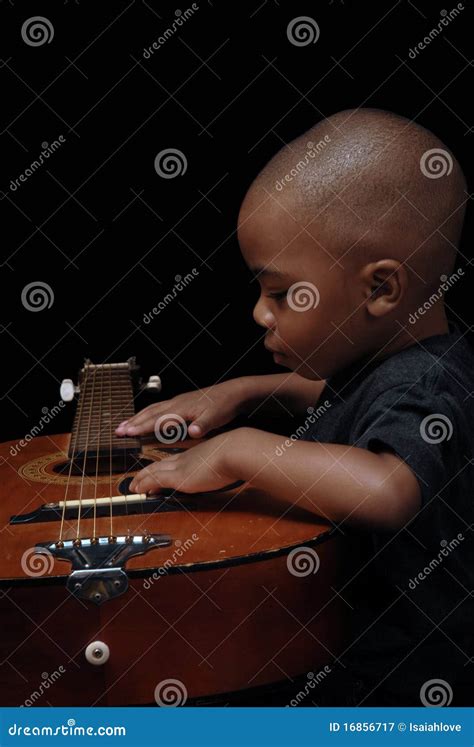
228	602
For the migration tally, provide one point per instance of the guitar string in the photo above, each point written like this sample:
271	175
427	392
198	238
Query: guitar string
111	435
126	406
84	461
110	453
72	447
98	429
123	407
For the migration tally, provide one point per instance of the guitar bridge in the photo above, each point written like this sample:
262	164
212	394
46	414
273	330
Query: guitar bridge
97	564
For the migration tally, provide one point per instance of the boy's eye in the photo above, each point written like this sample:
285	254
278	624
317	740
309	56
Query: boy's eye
278	295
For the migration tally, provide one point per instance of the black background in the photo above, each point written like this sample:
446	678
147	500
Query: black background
228	89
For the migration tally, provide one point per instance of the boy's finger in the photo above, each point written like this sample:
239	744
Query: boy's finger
138	429
144	414
153	480
201	425
145	417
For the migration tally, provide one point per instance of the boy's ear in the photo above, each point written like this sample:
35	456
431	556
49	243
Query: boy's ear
385	284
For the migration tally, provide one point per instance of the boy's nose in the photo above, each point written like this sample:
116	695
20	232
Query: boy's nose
263	316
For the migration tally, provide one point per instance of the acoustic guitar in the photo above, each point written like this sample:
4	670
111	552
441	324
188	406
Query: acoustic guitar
114	598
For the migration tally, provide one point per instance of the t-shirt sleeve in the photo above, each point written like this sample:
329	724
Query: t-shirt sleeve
417	425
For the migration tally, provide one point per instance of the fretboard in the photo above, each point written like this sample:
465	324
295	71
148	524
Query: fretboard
106	398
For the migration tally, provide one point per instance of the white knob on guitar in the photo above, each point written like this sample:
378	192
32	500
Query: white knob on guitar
97	653
154	384
67	390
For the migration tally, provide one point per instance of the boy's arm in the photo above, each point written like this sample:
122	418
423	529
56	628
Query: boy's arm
338	482
275	392
215	406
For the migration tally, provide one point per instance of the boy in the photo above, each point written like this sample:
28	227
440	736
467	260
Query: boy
353	247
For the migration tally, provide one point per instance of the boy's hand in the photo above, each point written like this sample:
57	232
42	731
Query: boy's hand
201	468
205	409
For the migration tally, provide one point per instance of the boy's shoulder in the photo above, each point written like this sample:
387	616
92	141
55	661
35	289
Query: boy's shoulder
435	365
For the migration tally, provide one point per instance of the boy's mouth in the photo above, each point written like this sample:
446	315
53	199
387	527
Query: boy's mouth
272	349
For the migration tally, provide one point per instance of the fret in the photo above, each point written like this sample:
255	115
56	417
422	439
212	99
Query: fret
96	427
107	403
125	397
85	439
104	446
109	415
102	424
93	390
103	436
106	380
101	441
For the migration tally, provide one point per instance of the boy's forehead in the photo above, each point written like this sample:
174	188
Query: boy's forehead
274	243
272	261
266	227
260	210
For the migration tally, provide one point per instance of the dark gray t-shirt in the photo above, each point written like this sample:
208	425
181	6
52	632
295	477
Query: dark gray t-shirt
412	591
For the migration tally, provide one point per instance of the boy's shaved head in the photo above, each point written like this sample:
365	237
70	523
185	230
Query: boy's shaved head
355	223
379	184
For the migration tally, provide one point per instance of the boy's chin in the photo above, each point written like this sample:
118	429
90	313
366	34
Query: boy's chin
283	360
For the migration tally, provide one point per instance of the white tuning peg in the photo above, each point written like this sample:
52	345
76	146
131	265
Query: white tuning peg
153	384
67	390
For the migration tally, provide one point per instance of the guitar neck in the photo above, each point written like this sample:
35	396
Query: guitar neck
106	398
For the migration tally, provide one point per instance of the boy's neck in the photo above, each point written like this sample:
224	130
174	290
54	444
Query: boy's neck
404	339
427	326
